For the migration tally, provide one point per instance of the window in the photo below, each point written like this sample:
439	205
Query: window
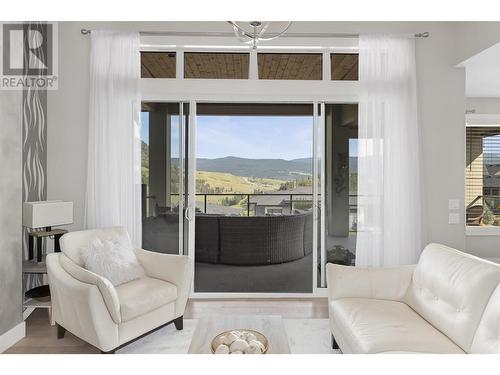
344	66
290	66
216	65
274	210
482	175
157	64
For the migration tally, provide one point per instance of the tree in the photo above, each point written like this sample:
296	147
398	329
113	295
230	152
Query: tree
488	216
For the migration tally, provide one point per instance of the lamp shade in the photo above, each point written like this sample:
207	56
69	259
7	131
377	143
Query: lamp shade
47	213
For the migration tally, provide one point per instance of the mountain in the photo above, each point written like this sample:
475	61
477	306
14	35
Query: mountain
263	168
280	169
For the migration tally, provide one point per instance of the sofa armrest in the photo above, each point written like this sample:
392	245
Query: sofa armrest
377	283
107	289
175	269
79	307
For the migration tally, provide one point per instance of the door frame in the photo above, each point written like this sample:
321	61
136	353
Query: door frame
319	153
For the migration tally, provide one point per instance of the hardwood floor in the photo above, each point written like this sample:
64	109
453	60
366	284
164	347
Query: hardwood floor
41	337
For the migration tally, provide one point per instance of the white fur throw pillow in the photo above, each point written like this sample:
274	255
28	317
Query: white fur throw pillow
113	259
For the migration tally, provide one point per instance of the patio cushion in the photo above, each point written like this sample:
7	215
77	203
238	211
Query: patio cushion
207	245
161	233
261	240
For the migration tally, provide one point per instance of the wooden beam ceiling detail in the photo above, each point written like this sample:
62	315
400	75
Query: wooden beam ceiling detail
158	64
290	66
344	66
215	65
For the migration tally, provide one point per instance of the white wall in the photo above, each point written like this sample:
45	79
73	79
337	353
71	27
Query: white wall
474	37
441	89
484	105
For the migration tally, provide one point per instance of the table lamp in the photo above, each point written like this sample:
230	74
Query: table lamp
46	214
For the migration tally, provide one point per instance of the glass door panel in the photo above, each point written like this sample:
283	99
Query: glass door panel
163	177
253	197
339	186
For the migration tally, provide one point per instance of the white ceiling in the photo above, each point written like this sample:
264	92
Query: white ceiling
483	73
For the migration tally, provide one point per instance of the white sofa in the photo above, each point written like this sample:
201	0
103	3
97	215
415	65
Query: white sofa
448	303
108	317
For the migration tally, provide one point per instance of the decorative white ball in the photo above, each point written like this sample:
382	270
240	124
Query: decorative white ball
219	341
222	349
236	333
238	345
253	348
230	338
237	352
259	344
250	336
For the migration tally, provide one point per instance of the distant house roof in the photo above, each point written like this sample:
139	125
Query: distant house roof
491	176
283	197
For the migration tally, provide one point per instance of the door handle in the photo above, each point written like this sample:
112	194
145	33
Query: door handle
187	215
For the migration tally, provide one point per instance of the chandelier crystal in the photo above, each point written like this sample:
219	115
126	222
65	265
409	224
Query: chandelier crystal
255	32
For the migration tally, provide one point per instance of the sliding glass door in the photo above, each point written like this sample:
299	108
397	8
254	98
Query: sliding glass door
261	195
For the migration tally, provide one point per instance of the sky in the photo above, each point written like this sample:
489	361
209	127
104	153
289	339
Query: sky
252	137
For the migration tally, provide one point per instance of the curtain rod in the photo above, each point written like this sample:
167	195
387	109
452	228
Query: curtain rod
224	34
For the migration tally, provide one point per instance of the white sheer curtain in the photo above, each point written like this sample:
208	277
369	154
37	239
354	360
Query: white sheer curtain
114	164
389	202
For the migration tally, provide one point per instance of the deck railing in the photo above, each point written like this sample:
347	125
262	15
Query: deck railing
290	198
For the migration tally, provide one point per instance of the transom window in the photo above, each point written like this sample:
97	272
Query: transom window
216	65
290	66
158	65
344	66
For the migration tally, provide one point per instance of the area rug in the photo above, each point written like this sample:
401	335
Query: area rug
305	336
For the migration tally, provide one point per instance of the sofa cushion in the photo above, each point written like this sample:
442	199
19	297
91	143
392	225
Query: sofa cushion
73	242
451	289
377	326
112	259
141	296
487	337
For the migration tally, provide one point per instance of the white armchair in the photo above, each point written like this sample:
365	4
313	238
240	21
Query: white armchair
108	317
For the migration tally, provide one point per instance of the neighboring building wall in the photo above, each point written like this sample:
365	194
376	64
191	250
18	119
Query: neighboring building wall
159	158
474	169
10	210
338	133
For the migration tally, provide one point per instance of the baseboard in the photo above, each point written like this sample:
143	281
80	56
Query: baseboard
12	336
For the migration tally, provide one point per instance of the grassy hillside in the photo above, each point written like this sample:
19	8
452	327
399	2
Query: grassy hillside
227	182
